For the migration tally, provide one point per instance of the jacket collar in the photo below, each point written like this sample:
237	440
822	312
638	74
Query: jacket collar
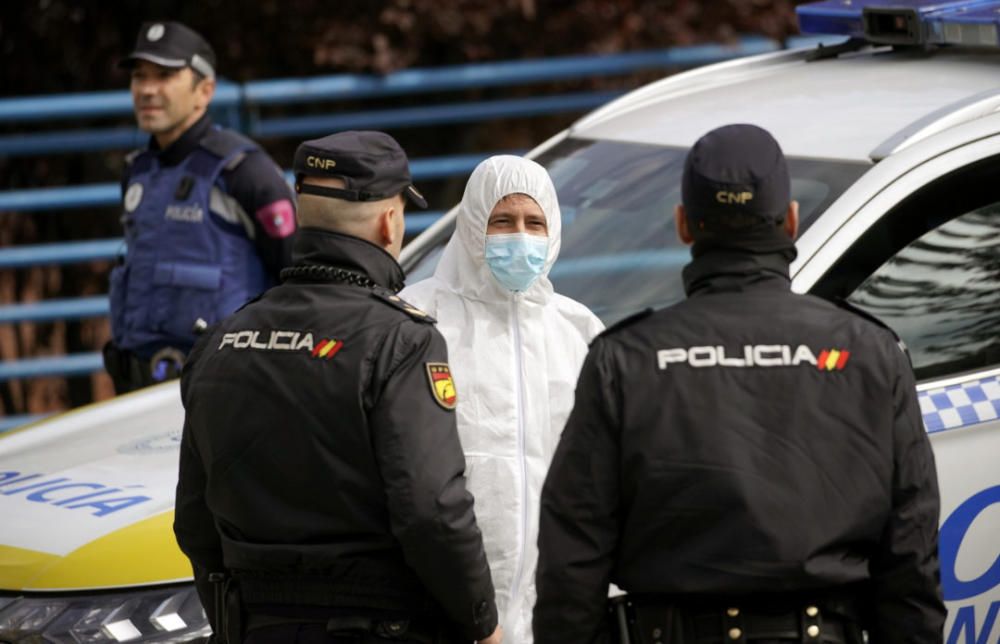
720	271
183	146
314	246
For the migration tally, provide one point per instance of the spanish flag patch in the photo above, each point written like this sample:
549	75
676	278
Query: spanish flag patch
442	384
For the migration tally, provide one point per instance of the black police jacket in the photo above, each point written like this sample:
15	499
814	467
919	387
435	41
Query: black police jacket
320	462
748	443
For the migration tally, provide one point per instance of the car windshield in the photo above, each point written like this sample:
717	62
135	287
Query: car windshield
619	250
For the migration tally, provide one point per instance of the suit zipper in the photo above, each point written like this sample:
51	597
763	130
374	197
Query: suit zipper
519	378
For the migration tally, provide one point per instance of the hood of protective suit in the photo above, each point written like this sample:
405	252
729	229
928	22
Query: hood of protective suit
515	358
463	265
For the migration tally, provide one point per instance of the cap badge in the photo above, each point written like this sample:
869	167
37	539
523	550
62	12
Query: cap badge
727	197
155	32
320	163
133	196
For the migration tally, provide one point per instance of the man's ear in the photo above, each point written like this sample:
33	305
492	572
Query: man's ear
205	90
388	226
791	224
386	234
681	223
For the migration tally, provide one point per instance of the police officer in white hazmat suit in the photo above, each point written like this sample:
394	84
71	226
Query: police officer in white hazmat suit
515	349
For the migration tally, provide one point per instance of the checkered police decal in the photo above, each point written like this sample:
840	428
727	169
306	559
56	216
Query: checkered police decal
969	403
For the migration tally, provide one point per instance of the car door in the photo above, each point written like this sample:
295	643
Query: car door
923	255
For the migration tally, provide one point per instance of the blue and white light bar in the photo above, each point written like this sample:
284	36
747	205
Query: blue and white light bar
971	23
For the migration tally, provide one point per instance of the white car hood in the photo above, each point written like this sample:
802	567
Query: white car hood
87	497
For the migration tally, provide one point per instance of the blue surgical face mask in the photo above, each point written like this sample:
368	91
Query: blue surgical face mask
516	260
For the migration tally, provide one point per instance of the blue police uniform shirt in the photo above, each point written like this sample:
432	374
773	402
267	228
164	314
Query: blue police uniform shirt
208	226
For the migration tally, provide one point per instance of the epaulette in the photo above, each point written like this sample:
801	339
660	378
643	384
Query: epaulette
223	143
235	161
850	308
626	321
249	302
395	301
130	157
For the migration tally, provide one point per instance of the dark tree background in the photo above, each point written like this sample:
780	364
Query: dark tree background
57	46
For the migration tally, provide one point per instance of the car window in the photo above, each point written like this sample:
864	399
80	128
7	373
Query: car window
619	251
930	269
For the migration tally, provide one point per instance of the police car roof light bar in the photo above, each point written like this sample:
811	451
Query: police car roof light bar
906	22
974	28
891	26
834	17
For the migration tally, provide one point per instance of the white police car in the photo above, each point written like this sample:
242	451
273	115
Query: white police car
895	157
87	551
893	141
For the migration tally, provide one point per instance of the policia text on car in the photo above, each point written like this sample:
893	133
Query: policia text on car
749	465
321	468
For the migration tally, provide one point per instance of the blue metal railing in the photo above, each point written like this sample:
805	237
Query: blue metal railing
59	253
240	106
520	72
52	107
109	194
104	249
122	138
431	114
418	80
253	95
62	309
36	199
77	364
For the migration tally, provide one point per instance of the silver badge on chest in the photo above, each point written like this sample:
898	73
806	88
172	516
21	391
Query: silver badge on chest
133	196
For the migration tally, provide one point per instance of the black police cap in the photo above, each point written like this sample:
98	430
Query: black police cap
171	44
735	179
371	164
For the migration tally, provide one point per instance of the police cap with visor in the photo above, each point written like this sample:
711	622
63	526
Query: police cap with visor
736	189
371	164
171	44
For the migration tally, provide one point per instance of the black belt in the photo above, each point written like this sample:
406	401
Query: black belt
672	624
783	626
388	629
130	372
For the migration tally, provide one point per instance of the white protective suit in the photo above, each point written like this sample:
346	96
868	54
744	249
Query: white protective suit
515	358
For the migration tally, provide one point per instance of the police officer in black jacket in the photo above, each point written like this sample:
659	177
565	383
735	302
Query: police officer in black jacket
750	464
321	469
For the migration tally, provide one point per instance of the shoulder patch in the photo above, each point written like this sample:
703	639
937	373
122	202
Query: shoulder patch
626	321
850	308
224	143
442	384
395	301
